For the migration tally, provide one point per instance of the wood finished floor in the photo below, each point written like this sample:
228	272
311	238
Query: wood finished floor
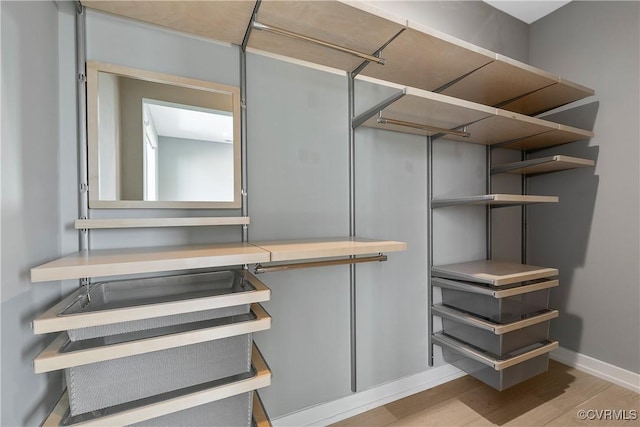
553	398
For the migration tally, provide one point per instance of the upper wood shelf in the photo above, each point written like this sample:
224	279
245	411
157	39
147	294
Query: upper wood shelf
485	125
542	165
115	262
414	55
496	273
494	200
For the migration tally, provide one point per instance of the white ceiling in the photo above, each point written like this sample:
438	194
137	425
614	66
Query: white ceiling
190	122
527	11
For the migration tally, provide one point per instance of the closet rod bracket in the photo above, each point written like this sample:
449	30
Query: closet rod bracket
462	133
259	268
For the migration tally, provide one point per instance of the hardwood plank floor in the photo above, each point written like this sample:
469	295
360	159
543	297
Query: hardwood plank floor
554	398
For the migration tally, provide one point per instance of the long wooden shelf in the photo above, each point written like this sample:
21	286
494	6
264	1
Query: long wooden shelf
97	223
485	125
289	250
186	400
494	200
330	21
114	262
495	273
220	20
414	55
542	165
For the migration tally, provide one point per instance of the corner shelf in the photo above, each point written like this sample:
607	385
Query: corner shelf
494	200
542	165
495	273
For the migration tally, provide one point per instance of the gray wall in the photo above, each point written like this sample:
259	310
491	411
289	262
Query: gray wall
593	235
192	169
30	225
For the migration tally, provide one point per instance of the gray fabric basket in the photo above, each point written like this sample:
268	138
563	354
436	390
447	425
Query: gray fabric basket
113	382
234	411
119	294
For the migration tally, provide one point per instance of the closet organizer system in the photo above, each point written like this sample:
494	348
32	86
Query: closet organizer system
495	314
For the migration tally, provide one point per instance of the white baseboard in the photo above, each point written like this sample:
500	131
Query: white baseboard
598	368
357	403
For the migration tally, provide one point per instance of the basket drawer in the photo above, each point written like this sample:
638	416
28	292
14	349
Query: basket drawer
498	372
232	411
113	382
117	307
502	305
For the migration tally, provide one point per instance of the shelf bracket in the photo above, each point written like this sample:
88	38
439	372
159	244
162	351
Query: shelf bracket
286	33
376	109
259	268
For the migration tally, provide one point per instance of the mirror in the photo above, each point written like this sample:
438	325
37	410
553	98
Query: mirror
161	141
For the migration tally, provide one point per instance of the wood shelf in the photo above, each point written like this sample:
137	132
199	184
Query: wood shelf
185	400
288	250
542	165
442	63
494	200
95	223
485	125
495	273
54	357
329	21
487	325
114	262
220	20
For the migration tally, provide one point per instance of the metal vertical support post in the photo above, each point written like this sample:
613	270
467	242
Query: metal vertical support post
430	249
488	208
523	231
352	231
81	76
243	140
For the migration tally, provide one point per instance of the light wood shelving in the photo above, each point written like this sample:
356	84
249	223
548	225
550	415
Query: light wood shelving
113	262
445	63
96	223
542	165
260	417
54	357
289	250
494	200
485	125
495	273
329	21
219	20
137	414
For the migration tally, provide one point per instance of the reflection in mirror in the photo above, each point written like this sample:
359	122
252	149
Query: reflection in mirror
161	141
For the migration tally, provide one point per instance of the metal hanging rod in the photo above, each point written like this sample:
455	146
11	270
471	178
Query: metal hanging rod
294	266
282	32
463	133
